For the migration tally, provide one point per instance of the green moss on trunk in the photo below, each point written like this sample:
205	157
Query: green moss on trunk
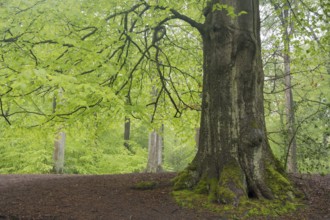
186	179
227	194
227	189
280	185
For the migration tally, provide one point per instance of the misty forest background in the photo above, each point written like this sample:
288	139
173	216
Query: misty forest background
68	67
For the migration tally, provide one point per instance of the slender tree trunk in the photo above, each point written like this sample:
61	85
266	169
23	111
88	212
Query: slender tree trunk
291	158
59	148
328	64
127	132
155	152
59	145
155	146
96	126
234	159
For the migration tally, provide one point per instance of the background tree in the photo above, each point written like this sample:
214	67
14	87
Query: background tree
308	76
156	139
288	30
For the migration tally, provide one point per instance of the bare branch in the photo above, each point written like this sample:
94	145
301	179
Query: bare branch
3	114
94	29
26	9
126	11
161	76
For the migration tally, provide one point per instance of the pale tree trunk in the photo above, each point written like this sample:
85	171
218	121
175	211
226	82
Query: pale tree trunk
234	159
155	152
287	28
291	159
59	145
59	148
155	145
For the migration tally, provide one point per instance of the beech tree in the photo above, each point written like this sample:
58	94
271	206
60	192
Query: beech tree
234	159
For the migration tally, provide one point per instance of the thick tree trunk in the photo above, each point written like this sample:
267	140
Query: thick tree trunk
234	159
197	131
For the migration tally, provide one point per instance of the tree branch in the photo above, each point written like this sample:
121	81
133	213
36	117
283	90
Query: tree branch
126	11
193	23
3	114
26	9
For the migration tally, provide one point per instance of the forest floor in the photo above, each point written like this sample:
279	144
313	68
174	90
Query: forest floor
49	197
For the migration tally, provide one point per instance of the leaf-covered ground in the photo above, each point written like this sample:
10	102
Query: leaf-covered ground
120	197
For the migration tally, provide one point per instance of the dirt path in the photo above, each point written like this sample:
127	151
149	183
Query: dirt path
112	197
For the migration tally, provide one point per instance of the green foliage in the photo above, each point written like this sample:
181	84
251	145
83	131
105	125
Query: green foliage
89	150
180	145
25	151
230	10
70	52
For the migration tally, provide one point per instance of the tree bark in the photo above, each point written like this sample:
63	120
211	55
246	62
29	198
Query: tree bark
234	159
59	148
59	144
127	132
155	152
291	159
155	144
287	26
197	137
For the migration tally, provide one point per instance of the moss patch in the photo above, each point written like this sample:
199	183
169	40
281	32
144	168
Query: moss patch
280	185
247	208
145	185
213	194
202	187
185	179
227	197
